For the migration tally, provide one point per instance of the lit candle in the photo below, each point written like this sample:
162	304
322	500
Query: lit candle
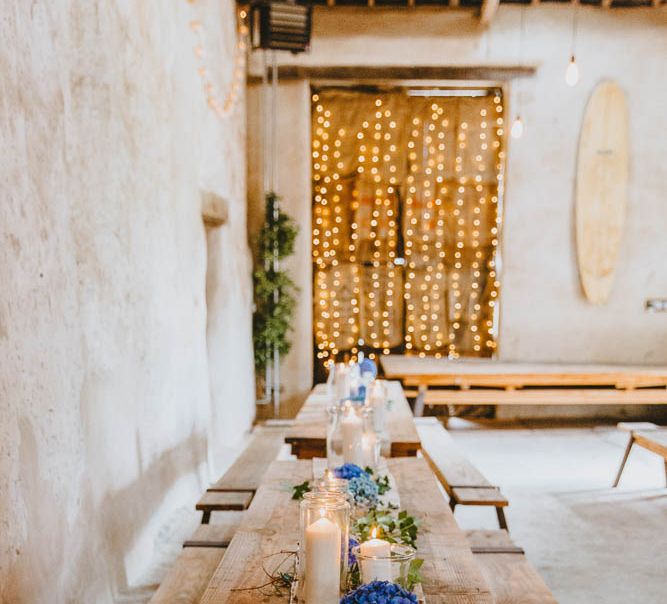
378	403
368	444
376	559
323	543
352	428
341	382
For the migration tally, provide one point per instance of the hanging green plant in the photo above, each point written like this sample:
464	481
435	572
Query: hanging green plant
274	290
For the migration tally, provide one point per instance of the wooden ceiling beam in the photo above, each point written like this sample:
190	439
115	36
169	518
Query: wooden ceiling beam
383	73
488	11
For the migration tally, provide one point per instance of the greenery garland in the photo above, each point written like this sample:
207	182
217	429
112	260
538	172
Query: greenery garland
274	290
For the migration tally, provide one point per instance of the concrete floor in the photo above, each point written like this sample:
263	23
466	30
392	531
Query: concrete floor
591	543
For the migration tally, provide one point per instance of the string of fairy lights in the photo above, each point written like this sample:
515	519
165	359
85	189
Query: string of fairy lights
221	103
443	300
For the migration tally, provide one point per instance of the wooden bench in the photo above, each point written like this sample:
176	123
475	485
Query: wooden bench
236	488
188	578
486	382
509	575
646	435
463	482
217	534
247	471
216	501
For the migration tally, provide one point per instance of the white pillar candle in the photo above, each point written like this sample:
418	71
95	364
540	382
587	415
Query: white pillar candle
368	445
378	569
377	400
323	543
352	428
341	382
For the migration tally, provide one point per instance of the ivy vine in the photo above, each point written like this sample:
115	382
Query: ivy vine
274	290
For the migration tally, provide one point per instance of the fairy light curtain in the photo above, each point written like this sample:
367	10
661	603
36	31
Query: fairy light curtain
406	215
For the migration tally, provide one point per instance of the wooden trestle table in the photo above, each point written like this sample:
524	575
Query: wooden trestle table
271	525
308	434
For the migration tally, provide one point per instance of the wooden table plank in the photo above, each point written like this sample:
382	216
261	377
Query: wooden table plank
431	371
308	435
270	525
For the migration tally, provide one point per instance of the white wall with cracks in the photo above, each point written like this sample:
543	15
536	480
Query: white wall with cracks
125	328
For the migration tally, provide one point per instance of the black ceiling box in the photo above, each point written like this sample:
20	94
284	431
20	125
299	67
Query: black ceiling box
281	26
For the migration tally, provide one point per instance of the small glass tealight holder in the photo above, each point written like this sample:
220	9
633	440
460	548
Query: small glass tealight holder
392	565
323	546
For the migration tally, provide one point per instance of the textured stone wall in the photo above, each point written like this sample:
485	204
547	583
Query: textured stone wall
125	349
544	315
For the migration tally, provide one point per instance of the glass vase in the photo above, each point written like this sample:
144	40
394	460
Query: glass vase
351	437
323	548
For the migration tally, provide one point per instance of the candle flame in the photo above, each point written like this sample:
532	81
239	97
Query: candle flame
374	532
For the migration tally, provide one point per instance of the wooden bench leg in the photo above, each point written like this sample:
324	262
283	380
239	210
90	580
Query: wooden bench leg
205	517
625	459
419	402
502	521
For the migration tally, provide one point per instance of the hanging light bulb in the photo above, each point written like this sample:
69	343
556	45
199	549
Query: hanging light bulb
517	127
572	72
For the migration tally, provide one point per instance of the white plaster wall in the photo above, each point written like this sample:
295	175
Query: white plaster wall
544	315
108	418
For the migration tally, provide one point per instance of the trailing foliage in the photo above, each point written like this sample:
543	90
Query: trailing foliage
395	528
274	290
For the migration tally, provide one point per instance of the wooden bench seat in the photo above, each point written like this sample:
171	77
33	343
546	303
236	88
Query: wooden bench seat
507	572
247	471
188	578
218	533
462	481
236	488
221	501
539	396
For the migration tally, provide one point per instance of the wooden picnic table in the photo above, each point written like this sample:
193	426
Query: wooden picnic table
489	382
271	524
308	434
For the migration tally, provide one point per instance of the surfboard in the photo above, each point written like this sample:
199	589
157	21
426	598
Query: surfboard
601	189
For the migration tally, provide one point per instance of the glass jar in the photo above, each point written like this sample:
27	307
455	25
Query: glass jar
323	547
351	437
379	560
330	484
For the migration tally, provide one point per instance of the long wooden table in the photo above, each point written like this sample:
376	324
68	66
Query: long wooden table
308	434
271	524
487	382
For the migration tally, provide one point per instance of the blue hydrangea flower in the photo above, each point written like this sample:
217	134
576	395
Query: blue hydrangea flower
351	558
364	490
379	592
348	471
